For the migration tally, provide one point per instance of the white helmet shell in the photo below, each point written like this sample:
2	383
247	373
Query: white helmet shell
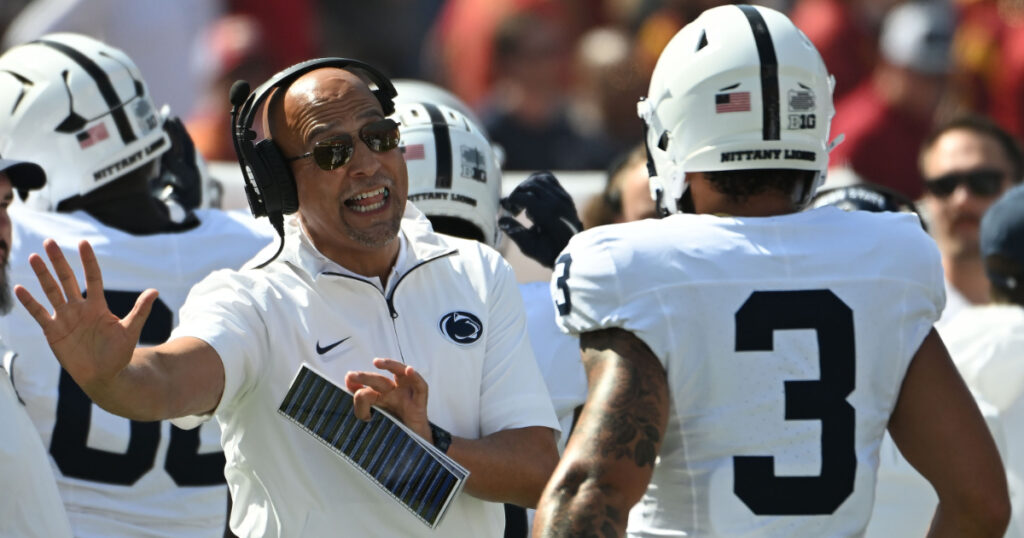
453	171
80	109
738	88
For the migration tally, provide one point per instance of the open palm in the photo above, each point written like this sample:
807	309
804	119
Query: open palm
90	342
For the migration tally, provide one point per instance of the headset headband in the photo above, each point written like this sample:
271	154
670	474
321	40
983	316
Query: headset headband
384	92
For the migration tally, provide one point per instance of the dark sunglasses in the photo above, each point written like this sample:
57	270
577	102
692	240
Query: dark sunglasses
983	182
337	151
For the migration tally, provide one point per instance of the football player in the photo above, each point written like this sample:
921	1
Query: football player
455	180
745	358
123	177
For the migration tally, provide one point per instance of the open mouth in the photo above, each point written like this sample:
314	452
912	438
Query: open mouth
368	201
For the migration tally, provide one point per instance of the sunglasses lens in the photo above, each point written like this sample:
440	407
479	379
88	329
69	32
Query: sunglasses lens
984	182
380	136
333	152
979	182
943	186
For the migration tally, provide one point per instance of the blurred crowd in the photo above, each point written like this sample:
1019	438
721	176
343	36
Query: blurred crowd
555	81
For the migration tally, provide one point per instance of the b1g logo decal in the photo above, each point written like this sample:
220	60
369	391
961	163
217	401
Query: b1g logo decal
462	328
802	121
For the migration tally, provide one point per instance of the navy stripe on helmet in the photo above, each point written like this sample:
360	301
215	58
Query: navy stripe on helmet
769	72
443	146
106	87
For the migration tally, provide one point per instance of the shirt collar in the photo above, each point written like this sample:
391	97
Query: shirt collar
417	243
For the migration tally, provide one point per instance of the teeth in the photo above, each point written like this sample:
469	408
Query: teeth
367	208
382	190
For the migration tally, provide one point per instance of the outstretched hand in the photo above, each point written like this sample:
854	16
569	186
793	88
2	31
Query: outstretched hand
552	212
90	342
404	395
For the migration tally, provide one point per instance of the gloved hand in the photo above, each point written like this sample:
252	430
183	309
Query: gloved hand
552	212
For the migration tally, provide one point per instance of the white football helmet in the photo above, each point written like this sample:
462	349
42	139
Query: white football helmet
738	88
453	171
80	109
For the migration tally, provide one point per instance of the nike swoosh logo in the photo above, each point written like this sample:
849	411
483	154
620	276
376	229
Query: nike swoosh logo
320	350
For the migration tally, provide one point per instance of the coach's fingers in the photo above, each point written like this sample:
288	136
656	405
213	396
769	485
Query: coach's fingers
362	400
357	380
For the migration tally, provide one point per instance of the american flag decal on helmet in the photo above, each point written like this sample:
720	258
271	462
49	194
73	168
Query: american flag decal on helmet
732	102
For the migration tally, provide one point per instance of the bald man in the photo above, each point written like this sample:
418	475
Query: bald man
363	295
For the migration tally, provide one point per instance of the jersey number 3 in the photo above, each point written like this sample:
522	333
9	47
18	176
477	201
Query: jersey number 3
74	411
824	399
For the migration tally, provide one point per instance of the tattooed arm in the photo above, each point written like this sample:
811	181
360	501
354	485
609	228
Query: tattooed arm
611	454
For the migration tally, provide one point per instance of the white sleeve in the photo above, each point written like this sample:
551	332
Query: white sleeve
585	287
221	310
512	391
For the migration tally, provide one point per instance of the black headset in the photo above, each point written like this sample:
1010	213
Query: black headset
269	185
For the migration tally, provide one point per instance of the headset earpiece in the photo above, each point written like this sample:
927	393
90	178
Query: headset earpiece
275	180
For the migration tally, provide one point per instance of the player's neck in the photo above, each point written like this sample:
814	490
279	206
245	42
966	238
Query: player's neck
706	199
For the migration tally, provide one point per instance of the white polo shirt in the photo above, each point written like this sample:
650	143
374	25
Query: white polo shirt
264	323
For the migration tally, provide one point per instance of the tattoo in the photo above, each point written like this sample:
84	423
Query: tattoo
612	452
629	415
587	520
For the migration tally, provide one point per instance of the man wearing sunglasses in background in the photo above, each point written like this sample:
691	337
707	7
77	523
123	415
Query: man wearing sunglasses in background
966	164
360	275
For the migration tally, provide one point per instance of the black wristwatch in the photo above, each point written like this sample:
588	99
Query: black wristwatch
442	439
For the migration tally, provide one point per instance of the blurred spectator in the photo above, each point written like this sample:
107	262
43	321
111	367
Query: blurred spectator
846	34
9	9
989	59
967	163
235	50
627	194
887	116
661	24
987	341
461	45
608	85
526	112
384	33
160	36
288	30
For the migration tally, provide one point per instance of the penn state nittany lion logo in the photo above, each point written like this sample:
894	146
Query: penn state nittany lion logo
462	328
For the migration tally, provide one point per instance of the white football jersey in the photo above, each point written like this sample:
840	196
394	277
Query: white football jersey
119	477
557	354
785	341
